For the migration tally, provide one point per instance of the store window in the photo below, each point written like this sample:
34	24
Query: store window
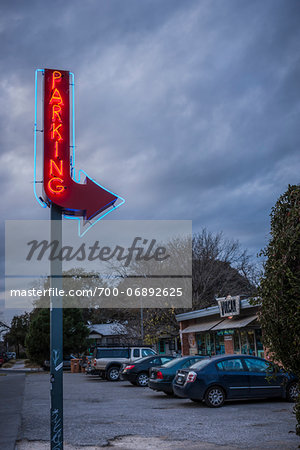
206	344
201	344
259	345
209	343
236	342
244	343
251	342
247	342
220	346
172	344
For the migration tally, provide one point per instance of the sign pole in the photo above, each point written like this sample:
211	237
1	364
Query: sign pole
56	335
64	194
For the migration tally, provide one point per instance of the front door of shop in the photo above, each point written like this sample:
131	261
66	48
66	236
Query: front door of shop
208	344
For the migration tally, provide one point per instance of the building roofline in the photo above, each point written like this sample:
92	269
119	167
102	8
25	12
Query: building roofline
212	310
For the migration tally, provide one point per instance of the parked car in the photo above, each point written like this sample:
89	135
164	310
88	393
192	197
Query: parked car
138	372
66	362
161	378
86	361
221	378
107	361
3	355
90	369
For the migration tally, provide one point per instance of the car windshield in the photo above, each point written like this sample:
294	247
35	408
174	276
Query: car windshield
147	352
111	353
173	362
200	364
146	358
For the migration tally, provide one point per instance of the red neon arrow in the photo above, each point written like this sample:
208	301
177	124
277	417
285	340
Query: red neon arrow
86	199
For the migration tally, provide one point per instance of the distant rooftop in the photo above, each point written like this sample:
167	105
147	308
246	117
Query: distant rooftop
108	329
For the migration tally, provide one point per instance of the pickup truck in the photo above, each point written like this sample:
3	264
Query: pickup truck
107	361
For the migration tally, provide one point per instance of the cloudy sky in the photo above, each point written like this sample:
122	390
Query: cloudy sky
187	109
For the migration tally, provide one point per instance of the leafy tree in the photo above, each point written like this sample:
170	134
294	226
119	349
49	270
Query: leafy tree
220	268
159	322
280	286
37	340
18	330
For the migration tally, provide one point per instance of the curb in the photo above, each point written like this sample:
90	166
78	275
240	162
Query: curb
24	370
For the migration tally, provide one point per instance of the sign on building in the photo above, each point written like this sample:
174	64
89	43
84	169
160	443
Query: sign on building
229	306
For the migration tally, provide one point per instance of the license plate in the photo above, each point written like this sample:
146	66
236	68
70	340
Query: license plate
180	379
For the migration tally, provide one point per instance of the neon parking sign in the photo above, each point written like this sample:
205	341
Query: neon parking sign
87	199
78	196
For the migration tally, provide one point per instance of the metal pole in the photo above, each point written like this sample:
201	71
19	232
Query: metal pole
142	321
56	335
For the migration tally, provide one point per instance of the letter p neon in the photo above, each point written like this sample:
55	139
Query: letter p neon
56	76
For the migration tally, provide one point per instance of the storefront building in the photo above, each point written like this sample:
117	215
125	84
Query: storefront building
168	345
229	327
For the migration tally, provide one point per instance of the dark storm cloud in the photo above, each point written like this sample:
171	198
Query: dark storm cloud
187	109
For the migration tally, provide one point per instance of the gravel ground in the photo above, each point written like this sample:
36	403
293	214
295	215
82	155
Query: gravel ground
98	413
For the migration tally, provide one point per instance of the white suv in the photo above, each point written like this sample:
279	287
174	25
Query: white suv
107	361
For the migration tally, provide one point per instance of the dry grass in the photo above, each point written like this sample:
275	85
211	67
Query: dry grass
8	364
31	365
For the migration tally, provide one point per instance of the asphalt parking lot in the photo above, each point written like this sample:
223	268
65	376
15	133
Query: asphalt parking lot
99	413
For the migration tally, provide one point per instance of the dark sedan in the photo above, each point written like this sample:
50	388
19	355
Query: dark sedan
138	372
161	377
219	378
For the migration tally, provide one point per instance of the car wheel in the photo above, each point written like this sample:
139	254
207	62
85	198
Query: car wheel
214	397
113	374
142	379
292	392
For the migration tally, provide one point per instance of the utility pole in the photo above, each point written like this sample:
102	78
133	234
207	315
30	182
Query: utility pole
142	321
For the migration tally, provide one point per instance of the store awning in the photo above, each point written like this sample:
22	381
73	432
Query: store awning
228	324
198	327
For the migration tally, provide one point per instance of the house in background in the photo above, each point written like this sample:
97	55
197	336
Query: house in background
167	344
116	334
106	334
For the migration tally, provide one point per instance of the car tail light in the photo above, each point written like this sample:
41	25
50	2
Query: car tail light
95	363
159	375
129	367
191	377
